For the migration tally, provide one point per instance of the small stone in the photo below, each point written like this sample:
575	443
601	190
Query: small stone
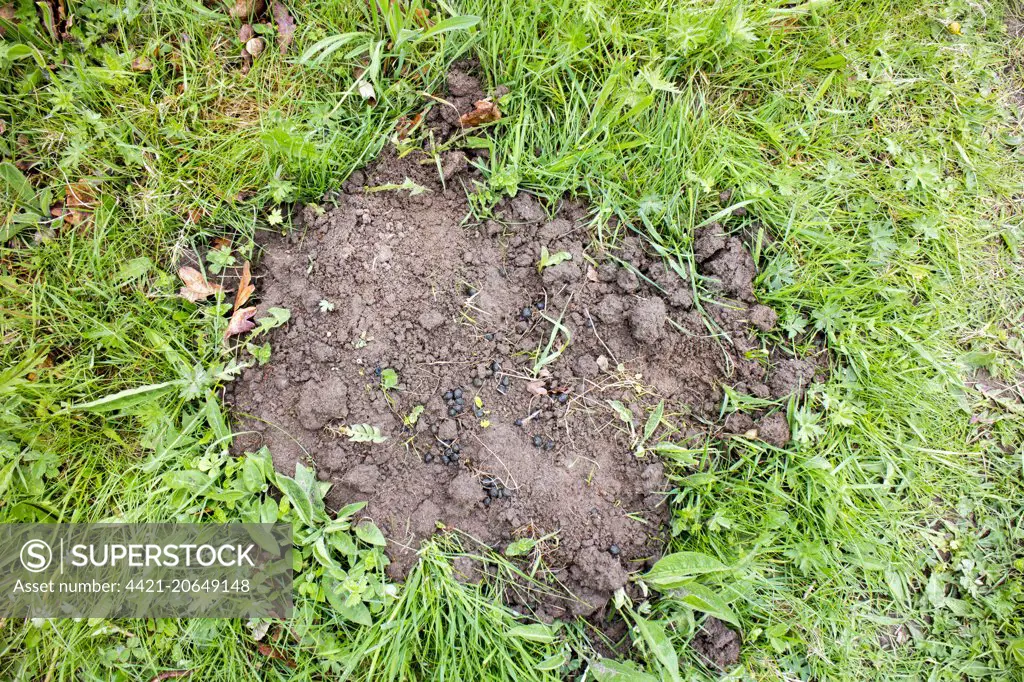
489	336
614	550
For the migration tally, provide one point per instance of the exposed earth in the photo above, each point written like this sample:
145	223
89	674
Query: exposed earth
490	430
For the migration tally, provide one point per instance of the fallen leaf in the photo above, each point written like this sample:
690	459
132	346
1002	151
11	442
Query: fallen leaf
241	322
245	287
196	286
484	111
269	652
285	26
6	13
536	387
220	243
79	203
366	91
246	32
422	17
194	215
406	125
170	675
246	62
142	64
244	9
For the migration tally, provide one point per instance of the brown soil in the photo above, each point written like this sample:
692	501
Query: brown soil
453	304
717	645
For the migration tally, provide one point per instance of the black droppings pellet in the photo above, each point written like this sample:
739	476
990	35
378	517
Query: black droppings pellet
448	395
563	397
496	366
493	492
478	382
452	412
479	413
518	422
487	481
540	305
428	458
489	336
457	393
549	445
614	550
505	381
487	502
502	390
527	313
456	448
378	371
454	456
460	401
537	441
446	459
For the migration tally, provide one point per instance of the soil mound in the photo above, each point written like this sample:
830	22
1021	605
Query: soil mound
519	392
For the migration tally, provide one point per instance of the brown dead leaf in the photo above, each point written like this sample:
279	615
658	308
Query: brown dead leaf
245	287
536	387
285	26
194	215
7	14
220	243
170	675
244	9
270	652
241	322
79	203
422	17
246	62
484	111
142	64
246	33
406	125
197	287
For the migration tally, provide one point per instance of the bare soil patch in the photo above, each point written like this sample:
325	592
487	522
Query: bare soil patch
459	310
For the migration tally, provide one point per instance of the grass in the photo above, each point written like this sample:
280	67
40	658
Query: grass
878	156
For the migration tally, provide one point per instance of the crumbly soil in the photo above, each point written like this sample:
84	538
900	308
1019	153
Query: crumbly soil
717	645
503	449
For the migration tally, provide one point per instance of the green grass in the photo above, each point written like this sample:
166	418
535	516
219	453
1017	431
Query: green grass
881	157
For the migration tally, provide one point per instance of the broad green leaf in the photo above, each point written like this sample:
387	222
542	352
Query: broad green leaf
520	547
622	411
369	533
325	48
654	420
703	599
551	663
676	569
123	399
457	23
836	61
17	184
133	269
680	455
298	497
186	479
535	632
608	670
658	643
357	613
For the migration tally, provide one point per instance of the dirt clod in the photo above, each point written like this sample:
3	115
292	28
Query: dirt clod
717	645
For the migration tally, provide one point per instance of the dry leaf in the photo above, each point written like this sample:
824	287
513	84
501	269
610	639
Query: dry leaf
170	675
484	111
244	9
285	26
245	287
270	652
246	33
536	387
366	91
196	286
79	203
6	12
141	64
220	243
246	62
194	215
241	322
422	17
406	125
